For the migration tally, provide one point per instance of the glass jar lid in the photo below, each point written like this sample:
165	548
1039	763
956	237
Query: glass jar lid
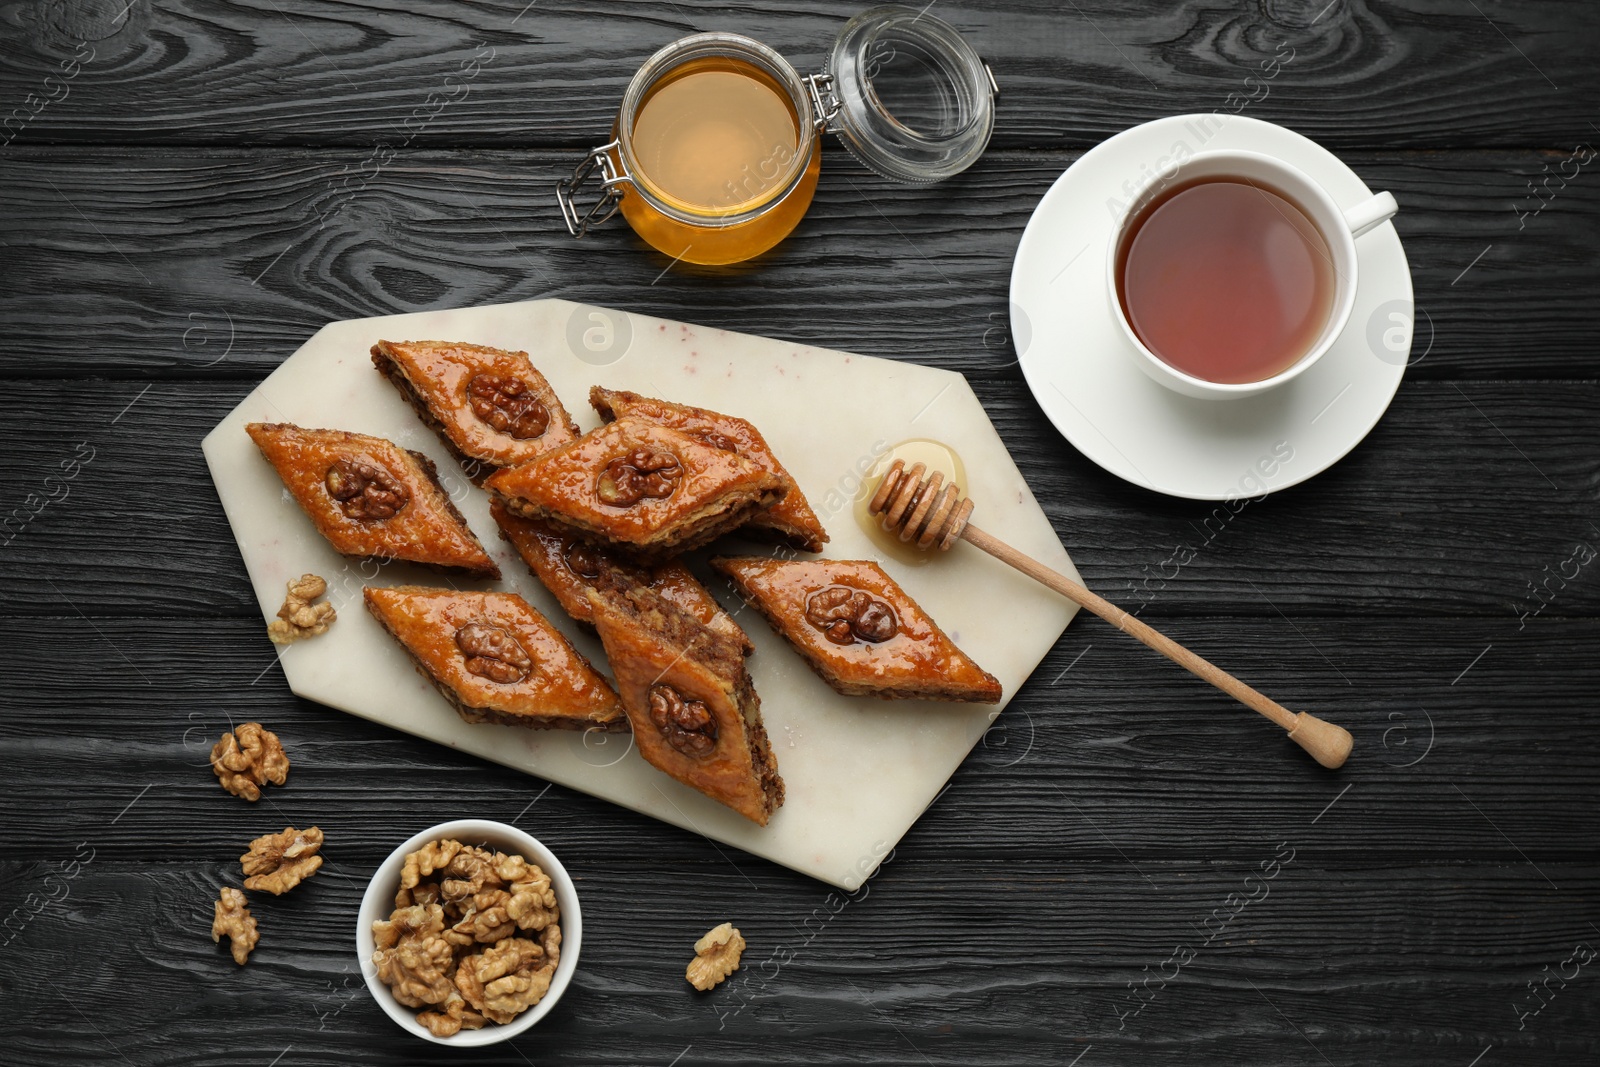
909	97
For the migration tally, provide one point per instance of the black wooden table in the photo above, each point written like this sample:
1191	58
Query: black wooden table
178	216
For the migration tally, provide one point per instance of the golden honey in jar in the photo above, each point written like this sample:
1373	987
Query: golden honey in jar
719	138
715	153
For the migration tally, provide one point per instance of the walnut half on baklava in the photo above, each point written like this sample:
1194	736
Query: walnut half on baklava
644	490
694	710
790	520
491	407
370	497
495	658
858	629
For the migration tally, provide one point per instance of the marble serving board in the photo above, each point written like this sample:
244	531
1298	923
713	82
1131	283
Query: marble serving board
859	772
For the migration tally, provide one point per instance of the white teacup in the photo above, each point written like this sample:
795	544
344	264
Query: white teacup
1339	228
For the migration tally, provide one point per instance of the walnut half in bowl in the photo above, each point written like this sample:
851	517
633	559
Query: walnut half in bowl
513	933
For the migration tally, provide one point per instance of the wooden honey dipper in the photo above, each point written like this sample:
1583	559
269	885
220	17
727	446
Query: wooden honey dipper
929	512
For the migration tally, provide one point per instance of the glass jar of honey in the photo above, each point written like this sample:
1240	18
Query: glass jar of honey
716	149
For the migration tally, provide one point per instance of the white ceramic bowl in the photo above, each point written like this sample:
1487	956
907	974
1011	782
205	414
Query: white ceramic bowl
378	903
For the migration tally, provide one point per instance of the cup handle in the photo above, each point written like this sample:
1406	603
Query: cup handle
1370	213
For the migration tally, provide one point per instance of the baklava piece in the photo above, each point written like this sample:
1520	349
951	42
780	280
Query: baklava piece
491	407
858	629
570	568
370	497
646	490
694	711
790	521
495	658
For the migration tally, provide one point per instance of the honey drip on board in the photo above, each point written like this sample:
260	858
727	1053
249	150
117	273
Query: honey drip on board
936	456
715	135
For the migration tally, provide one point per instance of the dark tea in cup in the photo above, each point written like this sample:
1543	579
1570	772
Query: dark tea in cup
1225	279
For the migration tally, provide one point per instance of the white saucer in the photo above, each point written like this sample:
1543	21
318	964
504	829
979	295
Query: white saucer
1078	363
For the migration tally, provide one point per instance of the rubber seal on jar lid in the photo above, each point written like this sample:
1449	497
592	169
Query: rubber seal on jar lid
915	101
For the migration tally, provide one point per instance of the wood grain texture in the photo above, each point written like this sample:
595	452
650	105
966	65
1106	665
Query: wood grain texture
1048	975
1099	756
178	215
1405	524
1398	74
218	264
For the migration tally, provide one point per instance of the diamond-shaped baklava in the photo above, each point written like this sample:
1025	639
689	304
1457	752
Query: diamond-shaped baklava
694	711
858	629
495	658
570	568
644	489
370	497
790	520
491	407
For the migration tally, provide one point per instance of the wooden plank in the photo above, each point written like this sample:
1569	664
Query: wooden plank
1405	73
1400	526
218	263
1101	756
1028	962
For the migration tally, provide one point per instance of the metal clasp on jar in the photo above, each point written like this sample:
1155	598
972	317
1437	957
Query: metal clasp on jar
824	103
596	162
